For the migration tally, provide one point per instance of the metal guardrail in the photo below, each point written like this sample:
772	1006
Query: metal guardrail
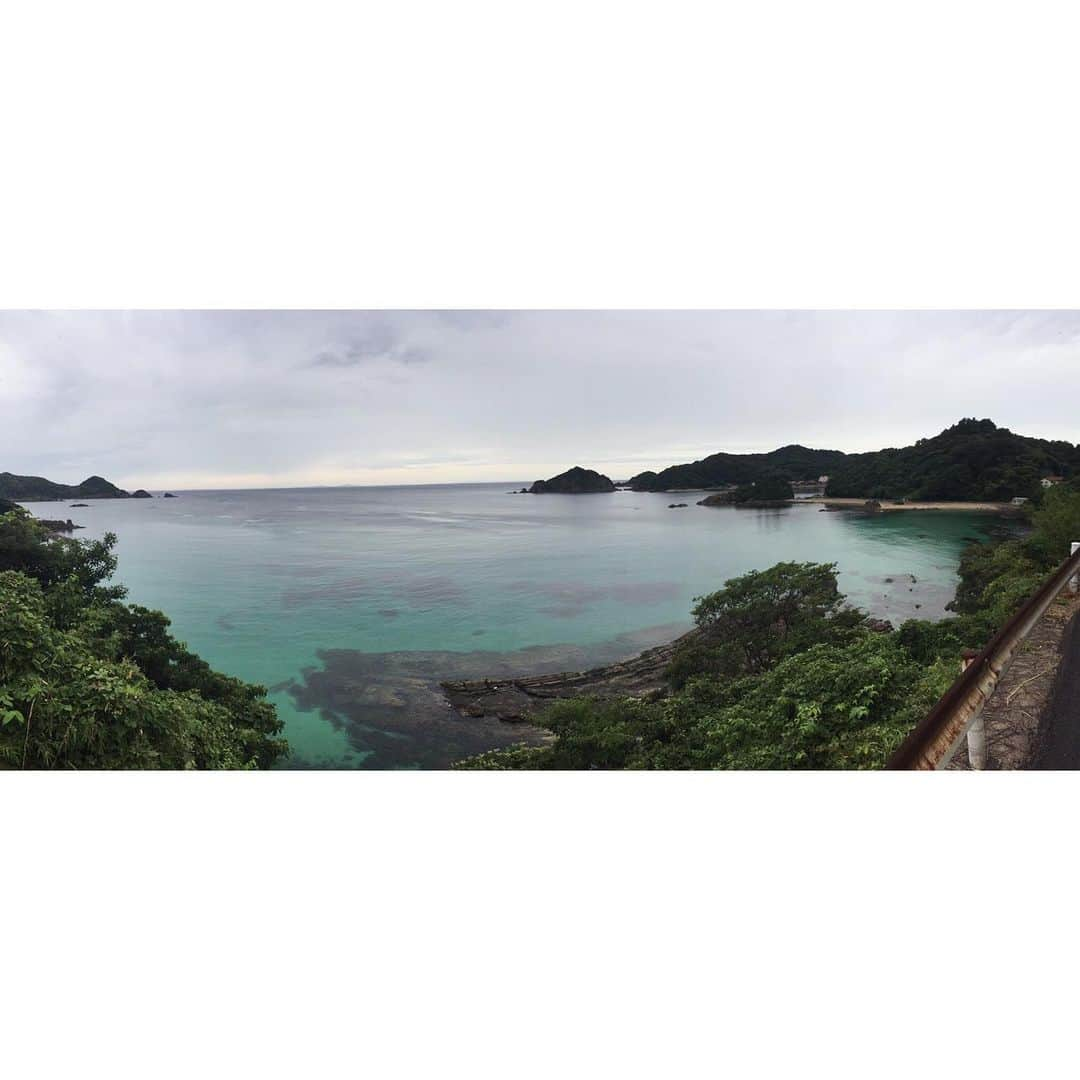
933	741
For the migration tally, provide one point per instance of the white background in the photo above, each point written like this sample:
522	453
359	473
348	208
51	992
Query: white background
583	155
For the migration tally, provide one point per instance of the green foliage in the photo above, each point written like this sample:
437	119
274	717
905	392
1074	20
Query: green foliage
1056	525
781	674
27	546
828	707
973	460
788	463
575	481
37	488
89	682
768	489
758	618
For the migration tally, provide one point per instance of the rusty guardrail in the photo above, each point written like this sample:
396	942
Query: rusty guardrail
933	741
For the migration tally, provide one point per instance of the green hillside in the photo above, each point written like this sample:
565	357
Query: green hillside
38	489
973	460
718	470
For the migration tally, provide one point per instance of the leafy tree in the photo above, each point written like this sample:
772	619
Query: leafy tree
27	546
89	682
1056	525
761	617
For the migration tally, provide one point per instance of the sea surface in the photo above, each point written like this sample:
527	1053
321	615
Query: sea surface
351	604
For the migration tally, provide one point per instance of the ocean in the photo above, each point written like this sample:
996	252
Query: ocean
351	604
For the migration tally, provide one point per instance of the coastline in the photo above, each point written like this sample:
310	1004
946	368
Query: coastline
516	698
889	507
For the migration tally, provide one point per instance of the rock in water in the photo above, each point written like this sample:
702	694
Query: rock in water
575	481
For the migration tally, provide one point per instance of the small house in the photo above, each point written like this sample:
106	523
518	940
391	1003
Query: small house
1019	500
807	489
1052	481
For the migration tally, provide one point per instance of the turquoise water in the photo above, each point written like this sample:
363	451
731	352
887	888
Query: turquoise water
352	603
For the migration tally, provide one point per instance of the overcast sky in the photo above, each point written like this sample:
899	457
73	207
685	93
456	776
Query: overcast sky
255	399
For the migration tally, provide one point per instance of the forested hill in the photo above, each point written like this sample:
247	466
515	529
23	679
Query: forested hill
718	470
973	460
37	488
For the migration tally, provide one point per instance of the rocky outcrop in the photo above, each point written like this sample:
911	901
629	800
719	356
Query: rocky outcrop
168	495
142	494
518	699
59	526
575	481
769	493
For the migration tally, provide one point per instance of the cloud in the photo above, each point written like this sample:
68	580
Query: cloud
474	318
286	398
380	343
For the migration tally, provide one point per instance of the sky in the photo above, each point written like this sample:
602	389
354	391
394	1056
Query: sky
230	399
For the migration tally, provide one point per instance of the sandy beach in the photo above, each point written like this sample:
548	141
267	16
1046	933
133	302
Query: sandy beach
968	507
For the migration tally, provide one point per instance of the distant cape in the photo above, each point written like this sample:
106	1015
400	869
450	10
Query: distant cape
38	489
575	481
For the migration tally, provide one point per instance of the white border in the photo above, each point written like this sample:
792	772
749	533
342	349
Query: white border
582	155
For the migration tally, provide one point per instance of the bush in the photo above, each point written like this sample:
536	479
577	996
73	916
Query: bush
759	618
88	682
1056	526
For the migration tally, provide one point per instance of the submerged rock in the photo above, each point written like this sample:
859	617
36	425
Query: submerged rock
517	699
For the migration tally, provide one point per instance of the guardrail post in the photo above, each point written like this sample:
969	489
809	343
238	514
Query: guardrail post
1074	581
976	734
976	743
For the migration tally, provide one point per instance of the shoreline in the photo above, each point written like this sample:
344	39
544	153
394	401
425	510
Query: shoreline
517	698
889	507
